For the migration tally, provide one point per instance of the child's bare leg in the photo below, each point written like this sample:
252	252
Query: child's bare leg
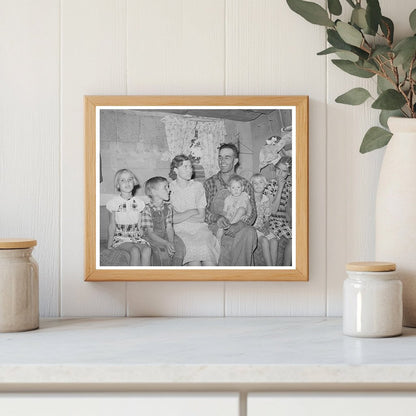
281	246
146	253
177	259
135	256
134	252
238	215
220	233
273	250
266	250
288	254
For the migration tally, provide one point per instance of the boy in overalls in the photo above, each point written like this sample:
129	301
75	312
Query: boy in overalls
157	222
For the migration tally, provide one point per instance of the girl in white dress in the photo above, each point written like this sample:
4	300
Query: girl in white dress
189	202
124	231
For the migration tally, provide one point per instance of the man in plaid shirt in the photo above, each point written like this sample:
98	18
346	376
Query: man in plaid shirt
240	239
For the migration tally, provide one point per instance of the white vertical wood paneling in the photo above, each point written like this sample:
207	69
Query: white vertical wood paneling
93	62
175	299
267	56
352	177
175	47
29	135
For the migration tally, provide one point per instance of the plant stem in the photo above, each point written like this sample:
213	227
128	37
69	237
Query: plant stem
395	72
406	97
366	43
384	73
412	86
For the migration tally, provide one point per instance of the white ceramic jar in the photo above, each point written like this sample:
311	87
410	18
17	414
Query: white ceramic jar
19	286
372	300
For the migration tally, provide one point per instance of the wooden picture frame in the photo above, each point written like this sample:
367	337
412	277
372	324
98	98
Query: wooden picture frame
111	145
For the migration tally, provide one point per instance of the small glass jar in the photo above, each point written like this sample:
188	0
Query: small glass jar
19	286
372	300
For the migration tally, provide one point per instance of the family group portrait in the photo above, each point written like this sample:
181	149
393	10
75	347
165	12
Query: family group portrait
194	187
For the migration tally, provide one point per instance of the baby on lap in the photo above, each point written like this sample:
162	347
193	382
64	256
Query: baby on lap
236	205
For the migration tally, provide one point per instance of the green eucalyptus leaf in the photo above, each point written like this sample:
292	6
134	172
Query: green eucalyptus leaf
370	65
360	52
311	12
387	27
412	20
373	15
389	100
334	7
386	114
352	68
358	18
383	84
405	44
381	50
349	34
327	51
348	56
389	72
375	138
405	50
336	41
356	96
351	3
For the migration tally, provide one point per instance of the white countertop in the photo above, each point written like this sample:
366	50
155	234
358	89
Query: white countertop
204	351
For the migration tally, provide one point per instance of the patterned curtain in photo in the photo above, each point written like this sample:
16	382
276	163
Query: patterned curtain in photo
211	135
179	134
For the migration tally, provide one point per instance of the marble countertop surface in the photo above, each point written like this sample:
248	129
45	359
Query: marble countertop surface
204	351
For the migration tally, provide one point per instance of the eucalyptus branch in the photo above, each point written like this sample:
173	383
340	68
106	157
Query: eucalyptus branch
395	71
370	70
380	64
406	97
374	54
369	46
387	38
412	86
384	73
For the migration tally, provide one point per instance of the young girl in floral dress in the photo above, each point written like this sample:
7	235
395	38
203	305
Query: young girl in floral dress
124	232
267	240
280	220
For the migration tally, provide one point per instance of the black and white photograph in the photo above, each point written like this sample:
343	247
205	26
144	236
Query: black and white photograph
196	187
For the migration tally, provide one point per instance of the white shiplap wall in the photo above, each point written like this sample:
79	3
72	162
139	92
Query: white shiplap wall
55	52
30	134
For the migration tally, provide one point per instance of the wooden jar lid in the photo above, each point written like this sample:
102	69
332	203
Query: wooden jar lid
11	243
371	266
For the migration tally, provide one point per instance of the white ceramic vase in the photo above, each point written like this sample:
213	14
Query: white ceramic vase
396	210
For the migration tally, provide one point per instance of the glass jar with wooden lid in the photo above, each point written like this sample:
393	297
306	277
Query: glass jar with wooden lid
372	300
19	286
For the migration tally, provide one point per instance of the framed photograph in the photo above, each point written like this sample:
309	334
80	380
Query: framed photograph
196	188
